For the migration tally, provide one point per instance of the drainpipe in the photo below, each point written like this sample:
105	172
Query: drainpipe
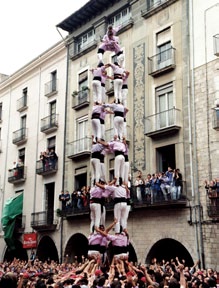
64	151
196	202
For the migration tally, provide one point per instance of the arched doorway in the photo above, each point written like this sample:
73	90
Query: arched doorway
77	246
168	249
19	252
46	250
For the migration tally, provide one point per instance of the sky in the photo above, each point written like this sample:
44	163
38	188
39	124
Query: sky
28	28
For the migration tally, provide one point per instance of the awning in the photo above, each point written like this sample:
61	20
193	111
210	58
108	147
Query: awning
13	207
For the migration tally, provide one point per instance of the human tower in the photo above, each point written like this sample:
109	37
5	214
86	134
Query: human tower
99	237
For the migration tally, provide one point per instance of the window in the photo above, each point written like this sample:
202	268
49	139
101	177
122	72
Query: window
23	125
83	142
82	128
166	156
84	40
25	97
21	154
52	113
152	4
165	106
51	143
54	80
120	18
164	48
0	112
80	177
83	80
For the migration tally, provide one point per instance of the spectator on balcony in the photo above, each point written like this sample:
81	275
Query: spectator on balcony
212	189
147	182
139	184
45	160
110	42
20	168
96	83
67	200
62	199
164	185
177	183
53	158
155	187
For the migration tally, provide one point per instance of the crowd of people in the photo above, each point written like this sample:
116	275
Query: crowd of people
49	159
161	186
119	274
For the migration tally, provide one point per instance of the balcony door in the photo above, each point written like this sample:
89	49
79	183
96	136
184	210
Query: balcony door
81	130
52	113
164	106
49	202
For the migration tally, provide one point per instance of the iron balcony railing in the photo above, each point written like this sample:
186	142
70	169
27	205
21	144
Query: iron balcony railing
109	134
19	136
75	49
46	167
44	220
148	202
80	146
22	103
49	123
162	61
51	87
81	98
163	120
17	175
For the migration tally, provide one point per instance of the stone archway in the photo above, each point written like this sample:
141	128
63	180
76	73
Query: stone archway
77	246
168	249
19	252
47	250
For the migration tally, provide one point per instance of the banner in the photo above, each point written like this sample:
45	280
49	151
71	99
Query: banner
30	240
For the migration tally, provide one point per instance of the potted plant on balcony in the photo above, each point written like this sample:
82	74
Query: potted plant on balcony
74	93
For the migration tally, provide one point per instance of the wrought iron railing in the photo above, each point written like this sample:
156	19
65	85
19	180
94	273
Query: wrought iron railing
163	120
19	136
161	61
79	146
51	87
49	123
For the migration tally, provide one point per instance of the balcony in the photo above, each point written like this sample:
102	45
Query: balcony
154	6
17	175
163	123
125	25
49	124
20	136
80	99
216	45
50	88
79	149
76	51
213	203
46	168
43	221
215	119
148	203
22	103
162	62
109	133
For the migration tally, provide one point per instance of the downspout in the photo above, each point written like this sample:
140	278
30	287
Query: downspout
198	223
37	155
64	150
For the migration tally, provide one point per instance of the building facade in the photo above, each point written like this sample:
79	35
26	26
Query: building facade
173	76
